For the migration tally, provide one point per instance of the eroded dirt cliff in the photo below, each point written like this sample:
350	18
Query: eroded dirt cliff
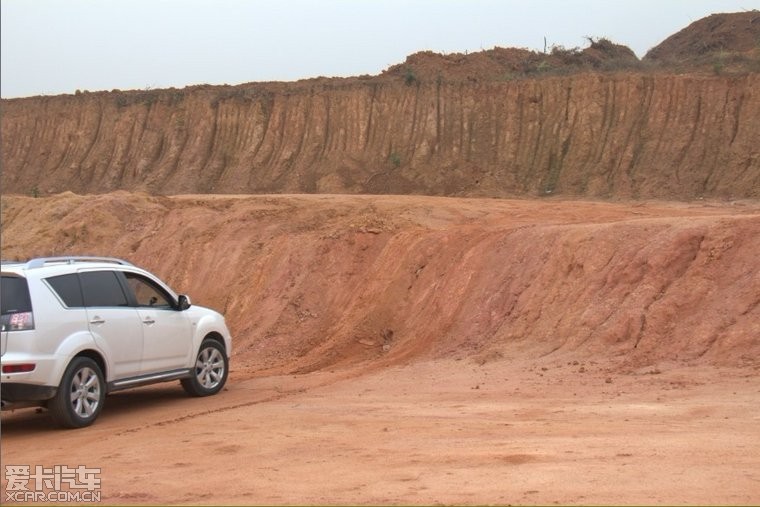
593	135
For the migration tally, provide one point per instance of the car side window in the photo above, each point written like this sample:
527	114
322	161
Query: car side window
68	289
102	288
147	293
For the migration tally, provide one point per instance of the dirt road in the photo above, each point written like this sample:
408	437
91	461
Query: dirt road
559	430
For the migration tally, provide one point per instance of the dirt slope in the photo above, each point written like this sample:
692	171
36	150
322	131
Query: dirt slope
314	282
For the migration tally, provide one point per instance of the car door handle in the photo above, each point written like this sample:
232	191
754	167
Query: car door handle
98	320
149	321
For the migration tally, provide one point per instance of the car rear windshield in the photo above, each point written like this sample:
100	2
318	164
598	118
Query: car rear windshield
14	295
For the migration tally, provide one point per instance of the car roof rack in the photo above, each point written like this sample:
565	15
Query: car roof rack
41	261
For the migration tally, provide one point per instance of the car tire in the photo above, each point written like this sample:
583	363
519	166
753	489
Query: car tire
80	396
209	373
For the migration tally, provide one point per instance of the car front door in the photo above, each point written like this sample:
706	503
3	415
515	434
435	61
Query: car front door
167	332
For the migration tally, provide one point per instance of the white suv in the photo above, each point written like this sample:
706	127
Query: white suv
77	328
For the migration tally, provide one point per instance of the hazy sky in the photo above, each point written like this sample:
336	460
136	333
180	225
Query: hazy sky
58	46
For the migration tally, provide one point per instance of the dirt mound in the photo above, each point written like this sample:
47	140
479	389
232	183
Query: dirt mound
317	282
730	40
736	32
504	64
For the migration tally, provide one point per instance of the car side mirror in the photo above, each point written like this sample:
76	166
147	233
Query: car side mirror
184	302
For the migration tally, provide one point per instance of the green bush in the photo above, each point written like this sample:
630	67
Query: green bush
409	77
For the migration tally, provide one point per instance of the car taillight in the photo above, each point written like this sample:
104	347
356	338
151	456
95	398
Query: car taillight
21	321
18	368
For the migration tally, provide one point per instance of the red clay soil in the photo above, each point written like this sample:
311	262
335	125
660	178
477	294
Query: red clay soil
425	350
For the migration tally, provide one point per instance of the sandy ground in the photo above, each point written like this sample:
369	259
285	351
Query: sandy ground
560	430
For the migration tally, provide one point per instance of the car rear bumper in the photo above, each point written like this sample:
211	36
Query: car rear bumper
14	392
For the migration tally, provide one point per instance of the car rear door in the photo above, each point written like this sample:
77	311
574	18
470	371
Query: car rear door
116	326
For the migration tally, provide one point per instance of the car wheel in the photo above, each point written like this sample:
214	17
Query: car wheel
80	396
210	370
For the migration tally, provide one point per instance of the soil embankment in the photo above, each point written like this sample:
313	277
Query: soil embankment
311	282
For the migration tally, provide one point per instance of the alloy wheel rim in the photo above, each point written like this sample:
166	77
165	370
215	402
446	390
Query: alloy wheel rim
209	368
85	393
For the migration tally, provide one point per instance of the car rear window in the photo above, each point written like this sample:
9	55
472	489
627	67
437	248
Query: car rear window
68	289
14	295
